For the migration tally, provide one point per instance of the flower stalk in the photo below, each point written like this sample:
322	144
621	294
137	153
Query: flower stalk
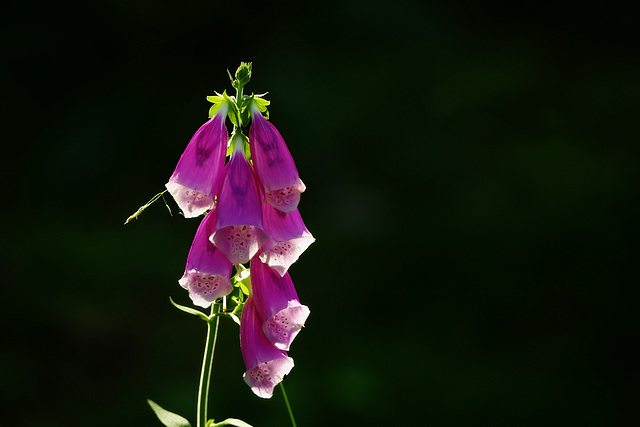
207	364
286	400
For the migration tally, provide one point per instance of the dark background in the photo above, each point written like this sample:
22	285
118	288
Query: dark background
472	174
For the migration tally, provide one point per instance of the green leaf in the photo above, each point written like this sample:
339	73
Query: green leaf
228	422
190	310
167	418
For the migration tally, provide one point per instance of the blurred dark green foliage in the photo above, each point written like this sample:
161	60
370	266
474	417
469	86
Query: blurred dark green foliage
472	174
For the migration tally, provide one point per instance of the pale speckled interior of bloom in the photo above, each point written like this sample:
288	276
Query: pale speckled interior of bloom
264	377
285	199
192	202
204	287
283	326
238	242
283	254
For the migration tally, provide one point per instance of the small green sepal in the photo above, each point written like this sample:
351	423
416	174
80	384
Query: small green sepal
218	101
215	99
190	310
243	106
233	114
245	145
167	418
260	103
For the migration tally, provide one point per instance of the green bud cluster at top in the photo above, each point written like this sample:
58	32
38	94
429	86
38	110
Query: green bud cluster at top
239	106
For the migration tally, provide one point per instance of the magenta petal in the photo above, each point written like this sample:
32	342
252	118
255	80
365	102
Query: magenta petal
274	165
265	364
208	271
277	303
195	179
288	238
239	232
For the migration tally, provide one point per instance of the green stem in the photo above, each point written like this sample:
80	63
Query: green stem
286	400
207	363
239	95
238	100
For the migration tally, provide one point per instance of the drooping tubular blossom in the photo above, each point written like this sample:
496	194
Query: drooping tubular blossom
266	365
208	271
277	304
274	165
288	238
239	232
196	177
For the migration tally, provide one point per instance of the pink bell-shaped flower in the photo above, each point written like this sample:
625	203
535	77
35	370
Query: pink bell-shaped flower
208	271
288	238
277	304
196	177
266	364
239	232
274	165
